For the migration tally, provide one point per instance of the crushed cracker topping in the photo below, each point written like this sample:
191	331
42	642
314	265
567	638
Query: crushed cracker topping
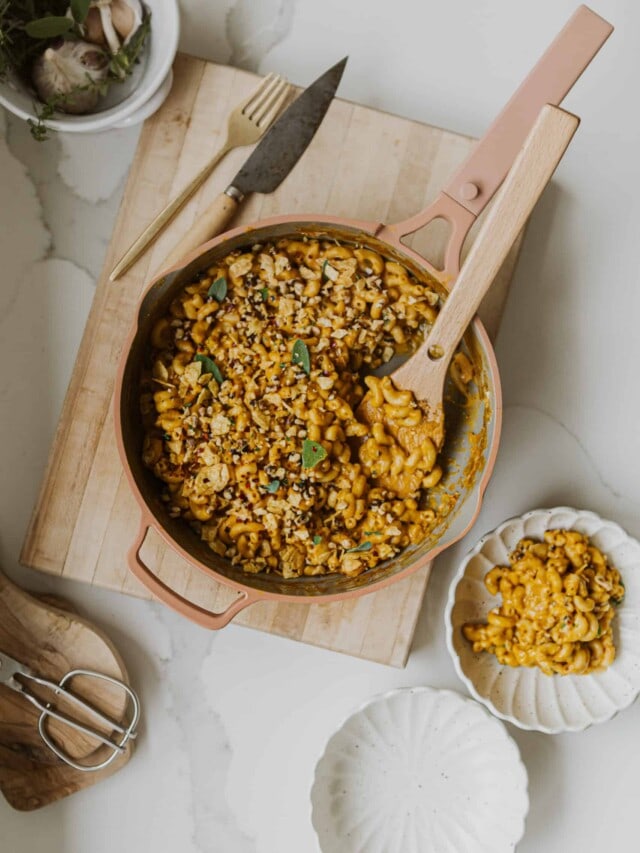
217	446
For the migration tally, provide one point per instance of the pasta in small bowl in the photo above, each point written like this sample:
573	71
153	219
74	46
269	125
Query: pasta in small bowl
543	620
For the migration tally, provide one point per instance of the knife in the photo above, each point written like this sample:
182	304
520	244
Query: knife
269	163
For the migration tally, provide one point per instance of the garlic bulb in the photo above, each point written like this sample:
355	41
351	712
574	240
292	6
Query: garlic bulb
67	70
112	23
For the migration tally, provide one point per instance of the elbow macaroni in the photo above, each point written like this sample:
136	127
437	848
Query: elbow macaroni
230	413
558	603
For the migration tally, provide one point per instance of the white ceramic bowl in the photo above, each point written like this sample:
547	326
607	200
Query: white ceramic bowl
133	101
525	696
420	770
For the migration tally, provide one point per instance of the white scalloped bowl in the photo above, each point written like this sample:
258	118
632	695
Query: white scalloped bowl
418	770
524	695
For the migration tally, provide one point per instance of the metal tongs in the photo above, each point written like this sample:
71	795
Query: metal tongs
16	676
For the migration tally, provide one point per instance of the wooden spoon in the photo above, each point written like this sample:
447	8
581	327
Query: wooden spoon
425	372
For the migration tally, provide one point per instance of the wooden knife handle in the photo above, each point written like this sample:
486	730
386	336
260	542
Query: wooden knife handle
212	221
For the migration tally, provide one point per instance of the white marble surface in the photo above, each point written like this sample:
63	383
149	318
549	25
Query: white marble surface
235	722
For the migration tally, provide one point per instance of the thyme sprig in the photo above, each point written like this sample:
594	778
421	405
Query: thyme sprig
17	48
123	62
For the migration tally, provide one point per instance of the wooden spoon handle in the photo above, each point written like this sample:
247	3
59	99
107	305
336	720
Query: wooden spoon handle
530	173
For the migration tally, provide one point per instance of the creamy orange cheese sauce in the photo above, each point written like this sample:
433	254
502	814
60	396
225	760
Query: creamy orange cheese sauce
559	600
249	404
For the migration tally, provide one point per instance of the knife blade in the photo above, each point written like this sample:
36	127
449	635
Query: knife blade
287	139
270	162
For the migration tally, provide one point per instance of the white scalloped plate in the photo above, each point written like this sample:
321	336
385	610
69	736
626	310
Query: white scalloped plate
420	769
524	695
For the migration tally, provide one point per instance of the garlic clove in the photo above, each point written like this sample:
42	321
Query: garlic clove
107	26
63	75
127	17
113	23
92	27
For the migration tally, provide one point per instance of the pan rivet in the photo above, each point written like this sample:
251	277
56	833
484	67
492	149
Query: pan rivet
469	191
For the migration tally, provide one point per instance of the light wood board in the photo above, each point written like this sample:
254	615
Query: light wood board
51	640
361	164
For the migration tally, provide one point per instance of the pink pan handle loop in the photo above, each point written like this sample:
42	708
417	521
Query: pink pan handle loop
443	207
194	612
476	181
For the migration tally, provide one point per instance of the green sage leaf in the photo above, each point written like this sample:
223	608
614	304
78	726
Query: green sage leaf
209	366
49	27
300	355
363	546
265	293
273	487
80	10
312	453
317	540
218	289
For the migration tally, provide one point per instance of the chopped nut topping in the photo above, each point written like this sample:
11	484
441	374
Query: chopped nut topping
227	429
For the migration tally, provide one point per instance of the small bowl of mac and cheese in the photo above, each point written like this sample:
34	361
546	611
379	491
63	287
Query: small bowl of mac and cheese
543	620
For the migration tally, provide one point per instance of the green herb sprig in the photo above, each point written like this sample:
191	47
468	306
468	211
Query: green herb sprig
80	10
122	63
312	453
218	289
17	48
49	27
209	366
363	546
300	355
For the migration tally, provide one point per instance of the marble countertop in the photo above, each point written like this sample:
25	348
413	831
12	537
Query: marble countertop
235	722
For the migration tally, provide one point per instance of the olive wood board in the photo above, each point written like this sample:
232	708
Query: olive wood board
46	635
362	164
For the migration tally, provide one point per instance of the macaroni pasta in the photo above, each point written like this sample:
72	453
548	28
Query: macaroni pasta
558	603
249	408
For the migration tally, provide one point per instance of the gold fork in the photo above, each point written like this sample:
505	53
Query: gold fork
248	122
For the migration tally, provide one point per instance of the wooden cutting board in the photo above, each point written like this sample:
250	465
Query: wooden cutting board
363	164
52	640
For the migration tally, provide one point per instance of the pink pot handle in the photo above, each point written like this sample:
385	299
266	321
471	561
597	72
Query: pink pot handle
474	184
168	596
